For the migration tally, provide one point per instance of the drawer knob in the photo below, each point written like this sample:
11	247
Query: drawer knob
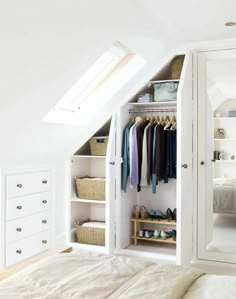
44	181
19	251
44	241
44	201
19	207
19	185
44	221
19	229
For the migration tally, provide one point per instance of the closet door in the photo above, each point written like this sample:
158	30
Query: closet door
184	164
216	156
110	187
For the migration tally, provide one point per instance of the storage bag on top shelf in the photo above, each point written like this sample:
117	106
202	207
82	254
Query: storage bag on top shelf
165	91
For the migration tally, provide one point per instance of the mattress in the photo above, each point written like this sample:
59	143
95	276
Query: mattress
91	276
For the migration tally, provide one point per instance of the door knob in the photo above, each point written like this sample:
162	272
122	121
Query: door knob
44	221
202	162
184	165
19	207
19	229
18	251
112	163
44	181
19	185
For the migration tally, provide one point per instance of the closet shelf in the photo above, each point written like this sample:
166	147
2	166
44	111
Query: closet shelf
163	81
88	200
88	156
167	241
153	104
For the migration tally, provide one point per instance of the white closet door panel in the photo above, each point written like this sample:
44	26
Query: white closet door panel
27	226
20	250
27	183
110	187
27	205
184	163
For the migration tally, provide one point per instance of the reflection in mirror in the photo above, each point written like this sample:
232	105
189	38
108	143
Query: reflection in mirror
221	154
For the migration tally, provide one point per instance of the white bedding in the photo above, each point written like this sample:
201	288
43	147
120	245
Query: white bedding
91	276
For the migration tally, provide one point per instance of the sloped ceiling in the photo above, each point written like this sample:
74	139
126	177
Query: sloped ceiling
47	45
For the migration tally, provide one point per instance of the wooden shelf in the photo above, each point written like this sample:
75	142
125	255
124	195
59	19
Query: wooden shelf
154	221
88	200
167	241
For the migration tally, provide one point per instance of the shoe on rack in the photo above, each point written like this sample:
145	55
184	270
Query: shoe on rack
152	213
160	215
136	211
169	214
173	233
156	233
175	214
163	235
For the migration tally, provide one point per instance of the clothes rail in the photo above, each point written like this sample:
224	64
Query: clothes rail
152	110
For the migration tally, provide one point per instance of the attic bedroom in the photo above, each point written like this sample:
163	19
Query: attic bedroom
118	149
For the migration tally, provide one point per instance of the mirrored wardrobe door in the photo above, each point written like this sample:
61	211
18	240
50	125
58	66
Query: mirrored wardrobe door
216	156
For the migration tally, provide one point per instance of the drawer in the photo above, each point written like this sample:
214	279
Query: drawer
18	251
24	227
27	183
22	206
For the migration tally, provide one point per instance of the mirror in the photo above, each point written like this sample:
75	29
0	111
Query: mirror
221	153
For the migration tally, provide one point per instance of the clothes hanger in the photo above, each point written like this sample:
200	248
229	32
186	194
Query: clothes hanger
170	123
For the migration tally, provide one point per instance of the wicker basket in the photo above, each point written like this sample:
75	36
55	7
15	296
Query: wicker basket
176	67
90	235
90	188
98	145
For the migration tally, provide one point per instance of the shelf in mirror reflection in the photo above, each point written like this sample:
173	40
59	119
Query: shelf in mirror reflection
224	139
224	161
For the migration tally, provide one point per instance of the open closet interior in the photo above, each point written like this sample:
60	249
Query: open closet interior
147	130
89	199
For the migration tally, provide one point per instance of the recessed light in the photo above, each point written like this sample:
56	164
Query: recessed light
229	24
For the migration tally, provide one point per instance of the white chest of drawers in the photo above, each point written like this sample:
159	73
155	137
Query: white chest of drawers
27	215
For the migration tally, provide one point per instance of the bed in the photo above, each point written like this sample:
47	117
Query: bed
92	276
224	195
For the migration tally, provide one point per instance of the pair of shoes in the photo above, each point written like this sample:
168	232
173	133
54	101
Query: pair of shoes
157	214
171	215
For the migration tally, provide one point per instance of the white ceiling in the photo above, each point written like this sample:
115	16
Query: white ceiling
192	20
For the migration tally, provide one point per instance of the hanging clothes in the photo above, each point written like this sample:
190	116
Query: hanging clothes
126	157
149	153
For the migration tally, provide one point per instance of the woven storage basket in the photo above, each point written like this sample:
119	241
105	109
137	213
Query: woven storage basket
90	235
98	145
90	188
176	67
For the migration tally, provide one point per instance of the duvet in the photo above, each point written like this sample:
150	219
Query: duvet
91	276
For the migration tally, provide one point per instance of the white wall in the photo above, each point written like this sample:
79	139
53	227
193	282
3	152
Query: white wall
45	47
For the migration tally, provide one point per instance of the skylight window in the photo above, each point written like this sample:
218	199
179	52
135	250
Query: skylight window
97	86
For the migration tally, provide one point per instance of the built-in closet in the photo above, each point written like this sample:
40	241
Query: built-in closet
117	210
169	194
